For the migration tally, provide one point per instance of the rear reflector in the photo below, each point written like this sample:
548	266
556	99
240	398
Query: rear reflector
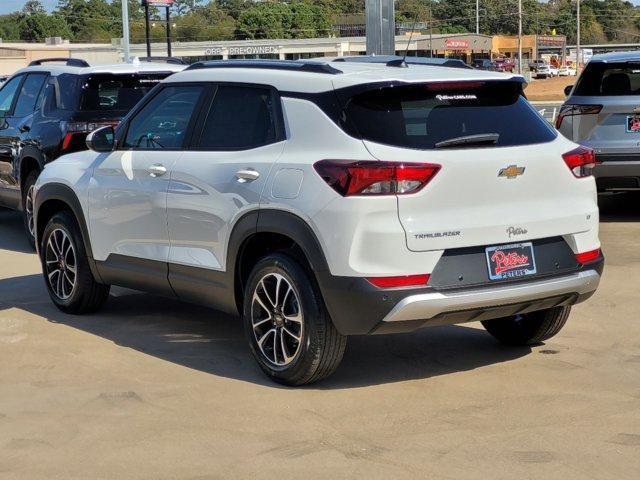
572	110
586	257
580	161
374	177
404	281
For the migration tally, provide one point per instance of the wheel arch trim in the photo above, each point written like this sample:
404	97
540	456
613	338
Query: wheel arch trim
64	194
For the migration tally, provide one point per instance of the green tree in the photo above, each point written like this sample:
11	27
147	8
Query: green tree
268	19
33	6
38	26
9	26
309	20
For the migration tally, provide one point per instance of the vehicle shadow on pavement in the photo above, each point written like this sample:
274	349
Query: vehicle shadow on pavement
12	233
621	207
205	340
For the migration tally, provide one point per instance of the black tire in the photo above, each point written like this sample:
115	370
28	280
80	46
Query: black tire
27	207
529	328
85	295
320	349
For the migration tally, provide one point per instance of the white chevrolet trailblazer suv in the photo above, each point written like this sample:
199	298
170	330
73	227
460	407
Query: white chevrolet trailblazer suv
324	200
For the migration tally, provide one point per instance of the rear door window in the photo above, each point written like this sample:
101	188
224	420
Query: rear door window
609	79
428	116
29	93
240	118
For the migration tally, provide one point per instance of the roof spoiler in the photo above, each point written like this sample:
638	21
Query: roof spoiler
70	62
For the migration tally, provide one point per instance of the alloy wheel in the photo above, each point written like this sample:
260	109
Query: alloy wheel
28	208
276	319
61	264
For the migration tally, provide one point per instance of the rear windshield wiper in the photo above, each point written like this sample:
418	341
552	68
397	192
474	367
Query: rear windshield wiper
490	138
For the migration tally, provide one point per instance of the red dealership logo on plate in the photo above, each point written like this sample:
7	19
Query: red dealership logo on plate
634	124
508	261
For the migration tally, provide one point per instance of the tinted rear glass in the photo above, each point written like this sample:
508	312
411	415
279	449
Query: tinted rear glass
104	92
605	79
420	116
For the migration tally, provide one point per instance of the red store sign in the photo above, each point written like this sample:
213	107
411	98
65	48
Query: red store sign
455	44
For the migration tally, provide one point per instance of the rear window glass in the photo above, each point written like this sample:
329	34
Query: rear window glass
425	115
104	92
606	79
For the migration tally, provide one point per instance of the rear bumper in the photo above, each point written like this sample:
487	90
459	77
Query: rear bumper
357	307
440	308
618	173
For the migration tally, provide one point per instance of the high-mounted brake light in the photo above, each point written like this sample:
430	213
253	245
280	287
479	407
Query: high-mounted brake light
403	281
573	110
350	178
580	161
439	86
586	257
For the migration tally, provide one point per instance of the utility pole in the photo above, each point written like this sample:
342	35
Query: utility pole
520	36
477	17
381	27
125	31
168	33
577	37
147	28
430	32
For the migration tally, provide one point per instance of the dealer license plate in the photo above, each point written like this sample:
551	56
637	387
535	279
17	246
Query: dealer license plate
510	261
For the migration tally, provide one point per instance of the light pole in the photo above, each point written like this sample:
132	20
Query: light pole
477	17
125	31
577	37
520	36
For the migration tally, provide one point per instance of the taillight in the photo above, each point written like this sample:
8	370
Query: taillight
374	177
587	257
580	161
402	281
572	110
80	130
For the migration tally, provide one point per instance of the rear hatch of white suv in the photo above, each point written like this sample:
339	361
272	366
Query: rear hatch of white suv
503	177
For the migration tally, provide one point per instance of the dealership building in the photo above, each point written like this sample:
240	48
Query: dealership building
463	46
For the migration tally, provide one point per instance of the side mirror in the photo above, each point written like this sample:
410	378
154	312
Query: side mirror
567	90
101	140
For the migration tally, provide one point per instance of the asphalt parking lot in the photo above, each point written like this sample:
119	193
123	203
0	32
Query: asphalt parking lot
154	389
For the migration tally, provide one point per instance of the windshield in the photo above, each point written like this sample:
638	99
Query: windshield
427	116
604	79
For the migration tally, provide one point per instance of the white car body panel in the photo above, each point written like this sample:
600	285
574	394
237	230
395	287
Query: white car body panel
127	206
205	199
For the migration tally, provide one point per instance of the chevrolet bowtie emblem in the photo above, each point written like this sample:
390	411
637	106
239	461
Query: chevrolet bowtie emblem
512	171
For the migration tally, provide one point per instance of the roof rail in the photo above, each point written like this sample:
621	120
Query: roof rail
70	62
172	60
290	65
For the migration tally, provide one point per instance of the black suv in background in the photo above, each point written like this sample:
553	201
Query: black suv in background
48	108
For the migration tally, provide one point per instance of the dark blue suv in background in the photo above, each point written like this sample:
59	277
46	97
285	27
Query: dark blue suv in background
48	108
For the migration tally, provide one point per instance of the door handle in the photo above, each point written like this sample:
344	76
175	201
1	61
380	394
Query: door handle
247	175
157	170
24	128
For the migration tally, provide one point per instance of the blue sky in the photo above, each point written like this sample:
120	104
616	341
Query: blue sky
8	6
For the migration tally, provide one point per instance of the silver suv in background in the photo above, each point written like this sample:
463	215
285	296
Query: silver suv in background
602	111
